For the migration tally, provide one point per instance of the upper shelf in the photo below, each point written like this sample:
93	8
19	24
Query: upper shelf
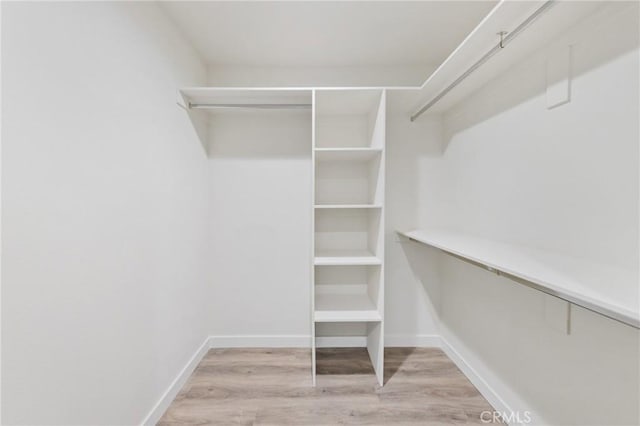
605	289
346	154
556	23
226	98
347	206
506	16
345	308
345	258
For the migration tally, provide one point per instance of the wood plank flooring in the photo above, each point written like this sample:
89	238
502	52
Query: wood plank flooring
273	387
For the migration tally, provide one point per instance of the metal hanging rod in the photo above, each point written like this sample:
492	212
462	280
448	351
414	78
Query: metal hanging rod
505	38
248	106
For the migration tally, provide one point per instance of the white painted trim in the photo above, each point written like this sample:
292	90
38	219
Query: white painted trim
505	403
480	383
390	341
412	341
267	341
170	394
341	341
304	341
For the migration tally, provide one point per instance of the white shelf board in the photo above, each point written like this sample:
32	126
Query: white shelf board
605	289
348	206
347	154
345	257
244	96
505	16
345	308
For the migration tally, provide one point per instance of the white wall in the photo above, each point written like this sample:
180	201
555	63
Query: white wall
581	158
104	279
246	76
564	180
260	214
411	302
260	177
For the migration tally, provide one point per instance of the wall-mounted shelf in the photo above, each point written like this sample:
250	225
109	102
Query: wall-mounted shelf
345	308
604	289
507	15
347	154
346	257
219	99
348	206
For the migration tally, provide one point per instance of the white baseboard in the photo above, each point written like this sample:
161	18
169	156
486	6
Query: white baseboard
341	341
505	401
302	341
170	394
483	387
412	341
273	341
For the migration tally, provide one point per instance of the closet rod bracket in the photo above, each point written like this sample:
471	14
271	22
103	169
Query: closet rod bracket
502	34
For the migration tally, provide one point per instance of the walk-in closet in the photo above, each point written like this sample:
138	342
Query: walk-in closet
320	213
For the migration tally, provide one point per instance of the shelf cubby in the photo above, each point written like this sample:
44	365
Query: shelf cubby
348	230
347	154
347	294
347	118
349	181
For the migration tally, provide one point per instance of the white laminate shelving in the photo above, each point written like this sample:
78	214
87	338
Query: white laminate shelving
225	98
348	206
345	308
346	257
348	216
347	154
608	290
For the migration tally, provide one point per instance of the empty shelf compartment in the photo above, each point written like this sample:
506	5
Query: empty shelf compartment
356	179
346	257
347	231
345	308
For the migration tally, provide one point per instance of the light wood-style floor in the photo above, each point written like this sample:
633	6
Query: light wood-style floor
273	387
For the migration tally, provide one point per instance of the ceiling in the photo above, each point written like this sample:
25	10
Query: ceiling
324	33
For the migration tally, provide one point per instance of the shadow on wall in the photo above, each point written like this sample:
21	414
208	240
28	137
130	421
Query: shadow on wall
199	124
425	266
599	39
243	134
588	376
409	147
269	134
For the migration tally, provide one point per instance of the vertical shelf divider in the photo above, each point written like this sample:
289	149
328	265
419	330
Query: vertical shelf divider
312	248
375	331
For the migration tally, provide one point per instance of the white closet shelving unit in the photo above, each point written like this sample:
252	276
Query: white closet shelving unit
348	219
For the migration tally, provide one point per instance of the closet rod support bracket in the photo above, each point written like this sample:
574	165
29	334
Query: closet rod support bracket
502	34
